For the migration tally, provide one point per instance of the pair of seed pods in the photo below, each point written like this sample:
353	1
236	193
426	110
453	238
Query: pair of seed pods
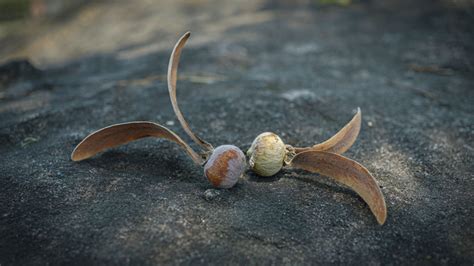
224	165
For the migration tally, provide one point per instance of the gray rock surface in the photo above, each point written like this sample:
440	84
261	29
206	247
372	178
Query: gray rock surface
299	70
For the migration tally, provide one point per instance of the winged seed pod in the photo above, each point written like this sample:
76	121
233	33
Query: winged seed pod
223	166
268	154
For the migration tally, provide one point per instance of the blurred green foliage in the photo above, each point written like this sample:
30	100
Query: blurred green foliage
14	9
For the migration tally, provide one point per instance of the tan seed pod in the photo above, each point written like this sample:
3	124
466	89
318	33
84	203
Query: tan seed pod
267	154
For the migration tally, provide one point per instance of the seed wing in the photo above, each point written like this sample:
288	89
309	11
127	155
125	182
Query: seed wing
342	140
119	134
347	172
172	78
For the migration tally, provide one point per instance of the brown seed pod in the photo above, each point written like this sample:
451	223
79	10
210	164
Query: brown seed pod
225	166
325	159
222	166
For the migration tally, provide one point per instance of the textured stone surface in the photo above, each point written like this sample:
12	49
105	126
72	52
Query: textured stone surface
299	70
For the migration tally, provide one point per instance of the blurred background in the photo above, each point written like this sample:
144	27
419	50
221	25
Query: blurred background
55	31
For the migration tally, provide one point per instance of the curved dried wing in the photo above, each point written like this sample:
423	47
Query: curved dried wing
119	134
172	78
347	172
342	140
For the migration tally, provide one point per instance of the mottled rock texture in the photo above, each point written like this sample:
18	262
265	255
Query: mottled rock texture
298	69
